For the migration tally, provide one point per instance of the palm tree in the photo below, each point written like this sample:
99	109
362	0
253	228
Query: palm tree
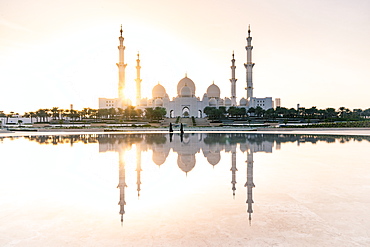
139	113
252	110
342	110
259	111
357	113
61	113
149	113
112	112
42	114
55	112
330	113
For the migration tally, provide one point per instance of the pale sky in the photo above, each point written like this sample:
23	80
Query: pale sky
57	53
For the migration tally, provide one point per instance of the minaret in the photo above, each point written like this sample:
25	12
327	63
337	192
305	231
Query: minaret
233	82
138	80
249	65
122	185
249	184
121	68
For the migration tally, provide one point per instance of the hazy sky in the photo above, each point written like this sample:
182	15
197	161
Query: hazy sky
57	53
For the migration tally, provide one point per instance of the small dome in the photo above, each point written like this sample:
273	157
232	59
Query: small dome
185	91
213	91
158	102
227	102
143	102
158	91
243	102
188	82
212	102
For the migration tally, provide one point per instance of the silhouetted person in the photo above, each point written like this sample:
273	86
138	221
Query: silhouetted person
171	130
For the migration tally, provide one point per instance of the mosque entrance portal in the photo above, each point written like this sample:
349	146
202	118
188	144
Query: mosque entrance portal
185	111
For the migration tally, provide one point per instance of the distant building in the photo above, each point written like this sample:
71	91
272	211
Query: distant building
277	102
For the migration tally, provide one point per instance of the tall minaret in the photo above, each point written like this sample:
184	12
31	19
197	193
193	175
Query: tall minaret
233	82
249	65
138	80
121	68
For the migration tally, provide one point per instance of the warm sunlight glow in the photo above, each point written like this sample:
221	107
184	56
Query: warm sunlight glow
51	46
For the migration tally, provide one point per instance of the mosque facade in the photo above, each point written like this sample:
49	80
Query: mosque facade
186	103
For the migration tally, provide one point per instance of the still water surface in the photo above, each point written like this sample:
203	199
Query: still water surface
192	190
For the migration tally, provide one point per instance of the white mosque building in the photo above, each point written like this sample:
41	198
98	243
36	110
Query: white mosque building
186	103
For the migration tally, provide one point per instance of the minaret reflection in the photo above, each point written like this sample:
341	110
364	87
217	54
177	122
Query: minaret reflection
233	170
249	184
122	185
138	169
186	147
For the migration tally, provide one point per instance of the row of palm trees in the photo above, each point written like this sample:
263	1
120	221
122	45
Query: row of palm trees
55	113
58	114
342	113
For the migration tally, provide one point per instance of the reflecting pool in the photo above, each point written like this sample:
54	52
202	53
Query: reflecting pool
200	189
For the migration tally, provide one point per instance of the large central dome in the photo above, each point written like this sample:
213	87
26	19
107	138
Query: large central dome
186	82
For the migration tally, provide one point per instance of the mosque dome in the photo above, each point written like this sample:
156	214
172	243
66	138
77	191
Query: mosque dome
212	102
143	102
158	91
213	91
186	162
185	91
188	82
243	102
227	102
158	102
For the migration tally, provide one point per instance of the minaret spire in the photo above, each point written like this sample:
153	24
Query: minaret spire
233	82
121	68
138	80
249	65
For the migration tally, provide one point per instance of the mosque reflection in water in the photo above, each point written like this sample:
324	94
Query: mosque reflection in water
186	147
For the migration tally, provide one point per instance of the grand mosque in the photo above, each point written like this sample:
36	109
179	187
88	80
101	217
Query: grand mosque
186	103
